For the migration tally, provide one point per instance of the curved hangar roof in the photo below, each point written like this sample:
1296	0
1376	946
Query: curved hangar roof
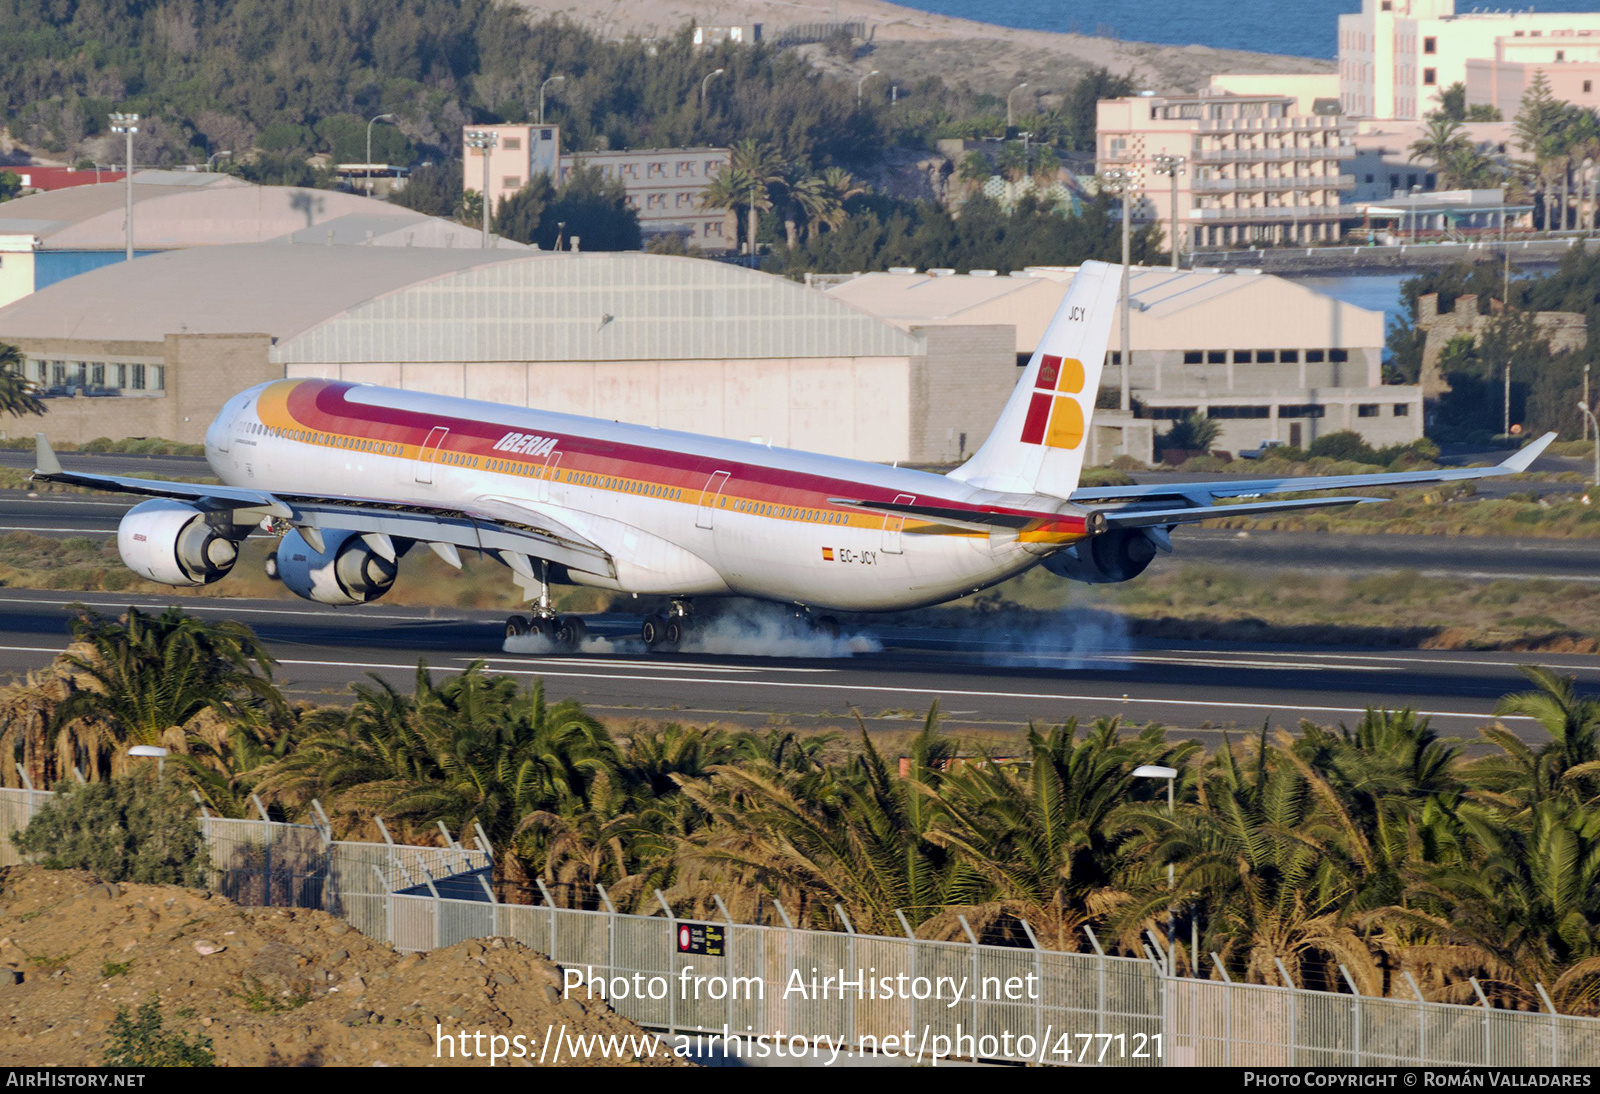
403	305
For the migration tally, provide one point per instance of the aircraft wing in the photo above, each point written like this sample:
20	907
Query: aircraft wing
1203	493
1193	514
513	535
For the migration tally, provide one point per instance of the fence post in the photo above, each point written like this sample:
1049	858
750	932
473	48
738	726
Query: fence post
727	955
915	950
611	931
388	905
27	783
976	979
850	963
1555	1025
1487	1034
1293	1028
389	846
1100	989
788	953
550	915
1227	1013
672	930
438	911
1355	1010
1422	1018
1038	972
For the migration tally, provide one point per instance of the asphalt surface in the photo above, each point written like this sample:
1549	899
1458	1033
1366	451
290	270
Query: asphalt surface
983	679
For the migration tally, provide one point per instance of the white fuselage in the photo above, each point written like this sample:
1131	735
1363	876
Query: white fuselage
680	514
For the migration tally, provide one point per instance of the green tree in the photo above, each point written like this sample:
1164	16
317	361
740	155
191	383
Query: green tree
17	393
10	185
433	189
149	675
595	210
520	216
131	828
1567	766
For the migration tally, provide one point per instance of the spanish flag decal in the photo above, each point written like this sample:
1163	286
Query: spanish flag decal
827	554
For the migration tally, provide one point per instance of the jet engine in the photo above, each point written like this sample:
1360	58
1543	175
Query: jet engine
346	571
1119	555
175	544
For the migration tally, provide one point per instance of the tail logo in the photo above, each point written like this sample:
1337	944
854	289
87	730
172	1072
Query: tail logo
1055	417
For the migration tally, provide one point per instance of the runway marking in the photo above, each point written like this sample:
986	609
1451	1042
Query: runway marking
77	531
199	604
934	692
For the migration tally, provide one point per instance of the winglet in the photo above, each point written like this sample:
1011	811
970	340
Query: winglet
44	457
1519	461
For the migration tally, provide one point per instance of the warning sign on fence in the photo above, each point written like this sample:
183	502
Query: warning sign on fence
703	938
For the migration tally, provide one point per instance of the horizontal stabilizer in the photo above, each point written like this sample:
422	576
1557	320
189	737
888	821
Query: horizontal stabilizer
978	520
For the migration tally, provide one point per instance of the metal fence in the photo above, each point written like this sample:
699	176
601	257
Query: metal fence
994	1003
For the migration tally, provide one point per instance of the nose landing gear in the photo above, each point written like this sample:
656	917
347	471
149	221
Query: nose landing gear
564	632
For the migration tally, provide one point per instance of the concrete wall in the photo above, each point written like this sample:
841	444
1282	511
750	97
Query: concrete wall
857	407
201	372
959	388
1391	414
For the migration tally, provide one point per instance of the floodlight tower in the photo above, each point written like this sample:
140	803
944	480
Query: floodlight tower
486	141
127	125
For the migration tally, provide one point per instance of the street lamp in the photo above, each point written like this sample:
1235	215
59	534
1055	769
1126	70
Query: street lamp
1589	416
1010	93
547	83
1172	166
213	158
861	82
1159	771
485	140
1124	180
707	80
152	752
370	124
127	125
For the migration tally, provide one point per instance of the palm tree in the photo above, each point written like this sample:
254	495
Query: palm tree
856	836
754	168
1040	834
16	390
1444	143
149	676
1538	127
1566	766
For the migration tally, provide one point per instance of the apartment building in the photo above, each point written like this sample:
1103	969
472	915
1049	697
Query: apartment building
1395	56
519	153
665	185
1257	169
1570	63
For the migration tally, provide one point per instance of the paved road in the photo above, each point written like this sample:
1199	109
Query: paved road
91	463
983	679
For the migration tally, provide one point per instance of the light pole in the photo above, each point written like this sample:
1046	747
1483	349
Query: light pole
1589	420
1172	167
151	752
547	83
486	141
1123	180
370	124
1010	93
213	158
707	80
861	83
127	125
1158	771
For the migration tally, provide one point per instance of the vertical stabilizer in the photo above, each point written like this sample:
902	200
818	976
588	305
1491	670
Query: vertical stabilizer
1038	445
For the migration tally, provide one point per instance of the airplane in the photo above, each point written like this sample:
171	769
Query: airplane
350	477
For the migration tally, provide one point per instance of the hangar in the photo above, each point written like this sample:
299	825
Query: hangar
672	342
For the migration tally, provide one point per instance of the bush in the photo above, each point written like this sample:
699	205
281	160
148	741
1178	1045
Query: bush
132	828
1346	444
140	1041
1194	432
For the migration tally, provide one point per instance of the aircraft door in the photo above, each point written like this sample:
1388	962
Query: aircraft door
892	525
710	498
429	453
551	470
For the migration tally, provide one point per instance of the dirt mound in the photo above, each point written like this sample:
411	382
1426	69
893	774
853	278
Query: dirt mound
266	985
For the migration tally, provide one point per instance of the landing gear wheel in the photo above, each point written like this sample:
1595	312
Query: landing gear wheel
828	625
653	631
517	626
544	627
271	566
570	631
676	632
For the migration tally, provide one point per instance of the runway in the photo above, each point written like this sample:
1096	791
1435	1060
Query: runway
984	679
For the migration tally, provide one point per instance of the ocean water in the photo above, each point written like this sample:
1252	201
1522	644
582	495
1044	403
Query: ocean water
1307	28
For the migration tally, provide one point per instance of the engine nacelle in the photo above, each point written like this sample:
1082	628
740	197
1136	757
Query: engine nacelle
345	571
1119	555
170	542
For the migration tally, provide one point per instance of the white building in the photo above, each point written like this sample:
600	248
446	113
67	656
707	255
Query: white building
1267	357
1395	56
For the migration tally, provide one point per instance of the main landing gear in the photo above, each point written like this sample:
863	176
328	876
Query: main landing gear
663	633
564	632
